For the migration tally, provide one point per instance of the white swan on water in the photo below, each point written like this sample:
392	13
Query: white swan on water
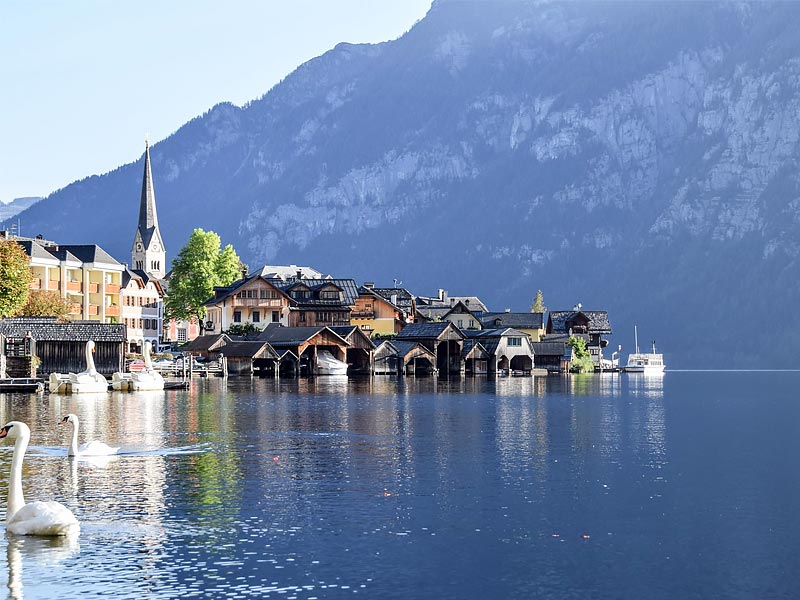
93	448
34	518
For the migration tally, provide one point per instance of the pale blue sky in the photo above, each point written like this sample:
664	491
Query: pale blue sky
83	81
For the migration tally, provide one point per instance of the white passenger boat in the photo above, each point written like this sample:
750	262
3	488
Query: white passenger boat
649	363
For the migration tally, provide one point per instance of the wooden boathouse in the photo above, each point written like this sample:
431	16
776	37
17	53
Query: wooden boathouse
38	346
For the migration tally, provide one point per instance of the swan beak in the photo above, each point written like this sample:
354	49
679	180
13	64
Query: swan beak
4	431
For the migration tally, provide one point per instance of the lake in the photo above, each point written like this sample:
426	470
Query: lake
597	486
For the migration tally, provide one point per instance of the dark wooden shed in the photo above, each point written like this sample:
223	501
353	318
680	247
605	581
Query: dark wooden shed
60	347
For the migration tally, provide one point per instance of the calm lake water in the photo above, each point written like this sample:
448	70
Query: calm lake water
613	486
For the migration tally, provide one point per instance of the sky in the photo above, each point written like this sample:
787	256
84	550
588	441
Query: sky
83	82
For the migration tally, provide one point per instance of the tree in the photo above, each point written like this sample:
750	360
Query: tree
241	329
538	303
582	363
15	278
199	267
43	303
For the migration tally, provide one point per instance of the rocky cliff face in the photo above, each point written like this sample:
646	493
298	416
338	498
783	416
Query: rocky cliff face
640	157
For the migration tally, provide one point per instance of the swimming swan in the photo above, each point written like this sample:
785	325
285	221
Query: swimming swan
93	448
34	518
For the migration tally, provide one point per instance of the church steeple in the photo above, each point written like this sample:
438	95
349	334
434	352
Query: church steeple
148	252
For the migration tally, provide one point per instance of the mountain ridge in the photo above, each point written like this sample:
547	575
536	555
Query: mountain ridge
635	156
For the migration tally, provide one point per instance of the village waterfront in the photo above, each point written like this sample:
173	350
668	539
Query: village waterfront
570	486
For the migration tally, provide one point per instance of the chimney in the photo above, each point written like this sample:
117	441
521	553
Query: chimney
369	284
442	295
393	299
244	271
299	274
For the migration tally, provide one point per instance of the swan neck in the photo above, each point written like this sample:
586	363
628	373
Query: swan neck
90	369
16	500
148	363
73	445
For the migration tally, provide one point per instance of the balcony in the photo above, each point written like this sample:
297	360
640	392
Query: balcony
258	302
74	309
112	311
74	286
94	310
53	285
112	288
94	288
36	283
362	314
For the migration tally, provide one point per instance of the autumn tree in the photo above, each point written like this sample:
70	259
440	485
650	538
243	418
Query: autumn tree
15	278
43	303
538	303
201	265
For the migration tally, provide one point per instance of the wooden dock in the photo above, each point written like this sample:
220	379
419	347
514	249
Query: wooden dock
21	384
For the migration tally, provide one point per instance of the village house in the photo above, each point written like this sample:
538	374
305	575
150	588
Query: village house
444	340
593	323
382	311
530	323
509	350
142	309
252	299
319	302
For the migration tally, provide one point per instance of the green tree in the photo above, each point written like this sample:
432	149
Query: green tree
15	278
582	363
200	266
43	303
242	329
538	303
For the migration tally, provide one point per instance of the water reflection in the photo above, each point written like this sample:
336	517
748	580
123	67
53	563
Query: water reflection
36	553
316	488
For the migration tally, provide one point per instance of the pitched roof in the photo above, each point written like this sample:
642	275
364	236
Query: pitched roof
433	312
519	320
548	348
403	299
347	286
426	331
280	336
598	320
248	349
205	343
50	329
404	348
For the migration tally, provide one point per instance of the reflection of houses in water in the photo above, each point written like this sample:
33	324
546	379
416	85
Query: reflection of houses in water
522	436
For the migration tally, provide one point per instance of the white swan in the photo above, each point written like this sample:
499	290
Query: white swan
93	448
34	518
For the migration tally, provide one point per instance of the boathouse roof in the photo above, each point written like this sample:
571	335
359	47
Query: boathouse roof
51	329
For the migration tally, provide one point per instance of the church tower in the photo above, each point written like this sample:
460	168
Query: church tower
148	252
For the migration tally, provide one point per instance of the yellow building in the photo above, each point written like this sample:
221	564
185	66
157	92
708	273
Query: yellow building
84	274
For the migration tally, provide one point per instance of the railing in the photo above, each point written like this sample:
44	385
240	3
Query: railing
53	285
362	314
112	288
36	283
258	302
74	286
74	309
94	309
112	311
94	288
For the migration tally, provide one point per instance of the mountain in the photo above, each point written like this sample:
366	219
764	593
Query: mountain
17	205
640	157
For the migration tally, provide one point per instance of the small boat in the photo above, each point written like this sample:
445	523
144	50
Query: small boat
648	363
328	365
145	379
85	382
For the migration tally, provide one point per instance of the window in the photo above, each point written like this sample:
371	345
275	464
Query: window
276	316
302	317
515	341
323	317
460	323
256	316
329	295
181	334
237	316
